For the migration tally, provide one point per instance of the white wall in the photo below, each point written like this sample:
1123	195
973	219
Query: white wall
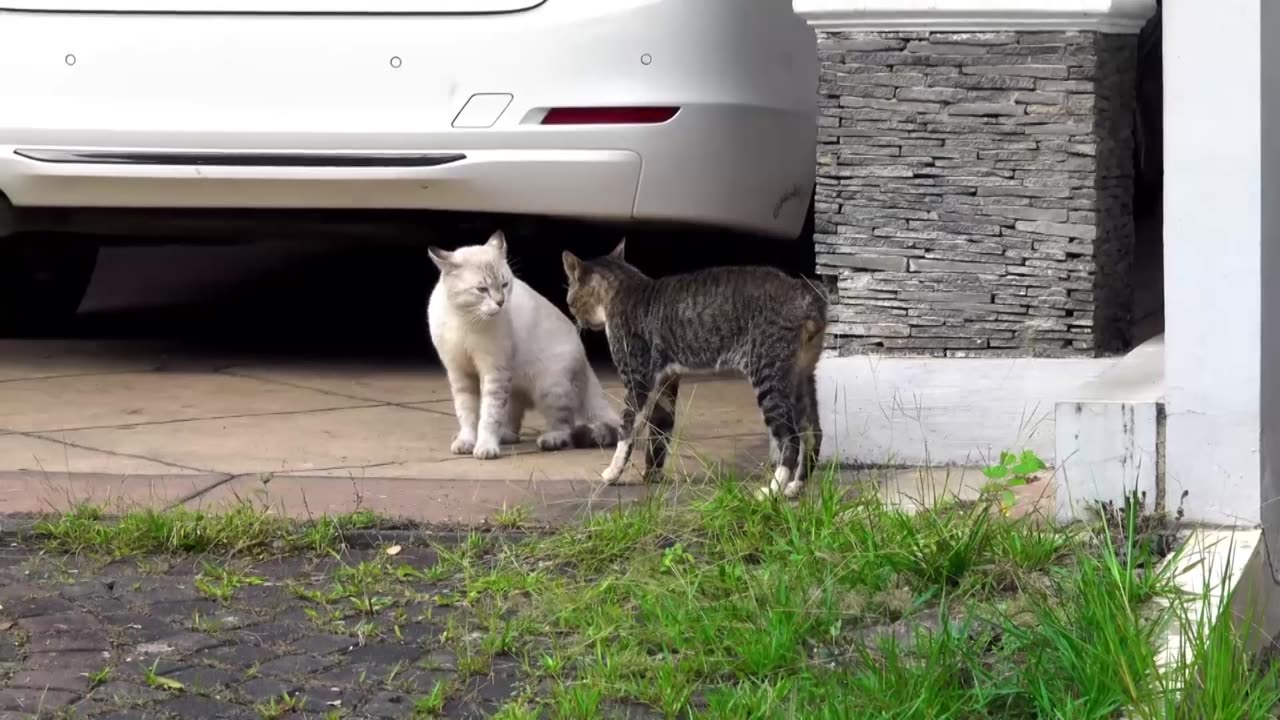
1212	245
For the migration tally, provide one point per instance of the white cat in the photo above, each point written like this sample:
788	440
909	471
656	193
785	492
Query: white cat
506	349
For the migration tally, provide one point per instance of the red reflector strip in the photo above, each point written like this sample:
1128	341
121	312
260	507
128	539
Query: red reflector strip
609	115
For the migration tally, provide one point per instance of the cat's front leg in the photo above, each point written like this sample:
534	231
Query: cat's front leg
495	400
466	405
636	401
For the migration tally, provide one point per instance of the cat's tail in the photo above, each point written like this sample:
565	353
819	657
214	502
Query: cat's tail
599	425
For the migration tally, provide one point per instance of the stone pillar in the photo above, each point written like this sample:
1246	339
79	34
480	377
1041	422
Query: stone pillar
974	187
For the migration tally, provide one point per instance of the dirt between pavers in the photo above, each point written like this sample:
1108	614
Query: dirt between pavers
135	639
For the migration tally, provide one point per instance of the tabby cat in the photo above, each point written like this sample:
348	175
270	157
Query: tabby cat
752	319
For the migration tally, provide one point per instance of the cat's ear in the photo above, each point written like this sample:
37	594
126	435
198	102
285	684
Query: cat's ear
442	258
498	241
572	265
620	251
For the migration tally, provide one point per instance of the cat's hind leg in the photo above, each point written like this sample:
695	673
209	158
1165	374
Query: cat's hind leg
515	419
776	396
598	424
557	403
598	434
805	403
811	433
662	420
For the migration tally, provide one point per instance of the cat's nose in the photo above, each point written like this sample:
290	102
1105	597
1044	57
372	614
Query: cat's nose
499	300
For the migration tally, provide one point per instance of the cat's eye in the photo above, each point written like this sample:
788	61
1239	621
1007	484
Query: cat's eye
482	290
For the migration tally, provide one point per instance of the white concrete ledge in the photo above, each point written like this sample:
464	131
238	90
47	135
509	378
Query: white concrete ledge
1108	16
937	411
1108	434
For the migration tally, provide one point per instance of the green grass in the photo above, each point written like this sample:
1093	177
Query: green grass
278	707
718	605
244	528
432	704
99	677
727	607
220	583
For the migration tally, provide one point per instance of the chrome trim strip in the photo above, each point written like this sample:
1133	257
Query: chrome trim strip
239	158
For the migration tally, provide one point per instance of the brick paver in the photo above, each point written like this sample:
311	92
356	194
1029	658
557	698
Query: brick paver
172	652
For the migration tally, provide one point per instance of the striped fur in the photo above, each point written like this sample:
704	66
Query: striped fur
755	320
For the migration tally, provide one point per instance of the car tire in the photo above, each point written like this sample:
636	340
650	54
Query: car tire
43	279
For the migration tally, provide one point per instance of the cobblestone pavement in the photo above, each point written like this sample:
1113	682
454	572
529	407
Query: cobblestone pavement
140	639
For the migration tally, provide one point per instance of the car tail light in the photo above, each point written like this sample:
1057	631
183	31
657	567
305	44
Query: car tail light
609	115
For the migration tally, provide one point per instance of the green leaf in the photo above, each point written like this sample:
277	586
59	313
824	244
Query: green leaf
1028	463
996	472
1016	481
1007	498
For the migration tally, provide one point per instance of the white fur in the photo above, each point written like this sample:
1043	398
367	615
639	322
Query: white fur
782	484
507	349
618	465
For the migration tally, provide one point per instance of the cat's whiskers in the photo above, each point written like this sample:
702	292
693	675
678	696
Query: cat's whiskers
474	317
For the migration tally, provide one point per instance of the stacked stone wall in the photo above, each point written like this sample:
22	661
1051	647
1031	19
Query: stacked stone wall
974	192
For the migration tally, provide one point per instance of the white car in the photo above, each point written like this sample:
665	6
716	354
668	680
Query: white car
120	117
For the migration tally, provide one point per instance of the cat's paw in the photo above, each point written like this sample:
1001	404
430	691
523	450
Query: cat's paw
765	492
604	435
485	450
611	474
462	445
653	476
782	484
554	440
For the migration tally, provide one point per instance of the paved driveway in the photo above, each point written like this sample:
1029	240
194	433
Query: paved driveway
142	423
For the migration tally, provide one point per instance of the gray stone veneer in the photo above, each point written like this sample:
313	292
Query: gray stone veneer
974	192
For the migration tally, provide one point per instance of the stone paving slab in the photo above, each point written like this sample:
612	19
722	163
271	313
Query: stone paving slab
41	492
49	455
292	442
437	501
134	424
27	360
400	385
134	399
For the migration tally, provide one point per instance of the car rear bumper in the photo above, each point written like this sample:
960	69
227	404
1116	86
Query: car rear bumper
714	167
595	183
738	154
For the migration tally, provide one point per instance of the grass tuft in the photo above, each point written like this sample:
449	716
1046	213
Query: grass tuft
243	528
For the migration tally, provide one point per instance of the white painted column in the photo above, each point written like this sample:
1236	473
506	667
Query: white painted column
1213	254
